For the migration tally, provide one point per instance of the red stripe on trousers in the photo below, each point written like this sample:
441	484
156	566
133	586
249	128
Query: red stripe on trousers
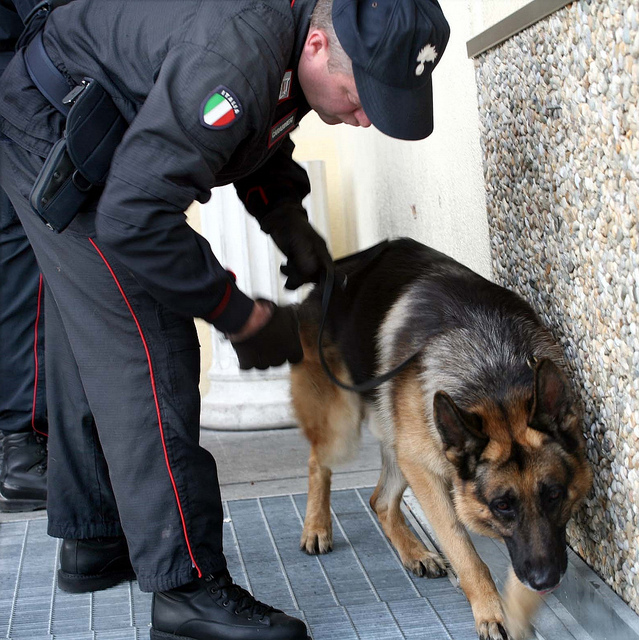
35	357
157	404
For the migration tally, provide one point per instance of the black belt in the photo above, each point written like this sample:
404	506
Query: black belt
46	76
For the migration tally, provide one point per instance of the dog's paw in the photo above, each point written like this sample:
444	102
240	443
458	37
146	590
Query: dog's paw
519	630
316	541
428	564
492	630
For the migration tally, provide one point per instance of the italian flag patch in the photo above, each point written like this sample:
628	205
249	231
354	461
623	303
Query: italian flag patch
220	109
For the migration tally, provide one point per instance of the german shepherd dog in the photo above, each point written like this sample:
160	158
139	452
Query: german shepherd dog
482	425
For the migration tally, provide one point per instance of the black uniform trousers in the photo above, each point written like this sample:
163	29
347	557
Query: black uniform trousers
22	396
124	454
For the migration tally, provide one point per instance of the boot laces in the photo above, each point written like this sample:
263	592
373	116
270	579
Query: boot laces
246	604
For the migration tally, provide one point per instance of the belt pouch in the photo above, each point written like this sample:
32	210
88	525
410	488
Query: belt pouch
59	190
95	128
78	164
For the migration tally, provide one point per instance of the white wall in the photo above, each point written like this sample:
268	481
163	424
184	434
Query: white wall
432	190
486	13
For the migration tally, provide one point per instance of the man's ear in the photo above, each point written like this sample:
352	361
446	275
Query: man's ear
316	43
461	434
553	409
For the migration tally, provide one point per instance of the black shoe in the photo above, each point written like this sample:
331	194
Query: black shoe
94	564
23	480
214	608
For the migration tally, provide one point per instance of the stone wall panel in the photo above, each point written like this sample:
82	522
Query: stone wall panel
560	134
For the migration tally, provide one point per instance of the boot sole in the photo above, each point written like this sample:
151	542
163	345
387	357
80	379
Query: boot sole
78	583
16	505
163	635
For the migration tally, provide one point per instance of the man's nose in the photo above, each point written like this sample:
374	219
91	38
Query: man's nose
362	118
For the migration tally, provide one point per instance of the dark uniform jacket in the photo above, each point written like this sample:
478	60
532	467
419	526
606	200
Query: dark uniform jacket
210	90
12	13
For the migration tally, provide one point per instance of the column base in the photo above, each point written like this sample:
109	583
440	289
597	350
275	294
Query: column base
248	402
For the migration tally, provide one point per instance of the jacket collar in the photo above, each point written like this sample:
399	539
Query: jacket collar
302	10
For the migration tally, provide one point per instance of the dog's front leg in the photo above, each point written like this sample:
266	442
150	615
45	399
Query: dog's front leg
520	604
386	503
474	576
317	535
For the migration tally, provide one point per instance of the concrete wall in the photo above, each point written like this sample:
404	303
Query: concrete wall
560	118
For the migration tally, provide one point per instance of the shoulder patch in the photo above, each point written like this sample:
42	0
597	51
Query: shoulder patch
220	109
282	127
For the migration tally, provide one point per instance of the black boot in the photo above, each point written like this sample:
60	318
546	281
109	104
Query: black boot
94	564
214	608
23	479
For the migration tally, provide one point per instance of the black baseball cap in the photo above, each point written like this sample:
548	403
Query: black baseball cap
394	46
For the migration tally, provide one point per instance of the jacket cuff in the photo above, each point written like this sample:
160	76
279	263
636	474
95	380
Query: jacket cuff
232	312
278	216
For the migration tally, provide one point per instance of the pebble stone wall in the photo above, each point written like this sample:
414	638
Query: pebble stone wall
560	135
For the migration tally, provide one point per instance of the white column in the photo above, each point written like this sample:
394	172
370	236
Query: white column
249	400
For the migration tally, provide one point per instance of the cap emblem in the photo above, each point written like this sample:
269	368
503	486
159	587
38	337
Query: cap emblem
426	54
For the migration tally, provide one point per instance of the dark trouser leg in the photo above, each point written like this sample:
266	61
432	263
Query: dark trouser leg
81	500
22	401
139	367
23	474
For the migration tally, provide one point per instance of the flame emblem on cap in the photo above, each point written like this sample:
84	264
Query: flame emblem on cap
426	54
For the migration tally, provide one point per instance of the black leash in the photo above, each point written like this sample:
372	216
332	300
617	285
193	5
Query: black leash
368	385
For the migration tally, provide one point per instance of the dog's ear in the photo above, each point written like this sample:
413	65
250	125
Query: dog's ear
461	434
553	408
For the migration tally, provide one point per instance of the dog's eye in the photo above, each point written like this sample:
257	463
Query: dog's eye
555	493
502	505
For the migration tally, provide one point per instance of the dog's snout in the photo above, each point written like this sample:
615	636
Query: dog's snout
543	576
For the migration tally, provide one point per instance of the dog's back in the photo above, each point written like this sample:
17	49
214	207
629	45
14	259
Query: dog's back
411	297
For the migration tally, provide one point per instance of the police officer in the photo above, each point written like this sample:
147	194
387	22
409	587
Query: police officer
23	425
210	89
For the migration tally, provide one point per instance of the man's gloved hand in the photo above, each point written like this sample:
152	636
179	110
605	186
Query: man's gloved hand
277	340
305	249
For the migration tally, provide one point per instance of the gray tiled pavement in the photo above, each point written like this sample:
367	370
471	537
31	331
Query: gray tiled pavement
359	591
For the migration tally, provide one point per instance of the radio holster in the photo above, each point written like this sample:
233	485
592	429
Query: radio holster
77	166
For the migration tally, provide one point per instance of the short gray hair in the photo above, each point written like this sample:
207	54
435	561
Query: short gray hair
338	61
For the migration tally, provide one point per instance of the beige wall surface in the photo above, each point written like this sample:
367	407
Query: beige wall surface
431	190
485	13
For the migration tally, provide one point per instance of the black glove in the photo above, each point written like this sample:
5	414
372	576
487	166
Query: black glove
299	242
275	343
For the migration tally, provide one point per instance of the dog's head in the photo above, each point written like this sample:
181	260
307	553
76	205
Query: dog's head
521	470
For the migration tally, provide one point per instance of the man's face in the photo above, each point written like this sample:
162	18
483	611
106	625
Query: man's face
334	98
332	95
